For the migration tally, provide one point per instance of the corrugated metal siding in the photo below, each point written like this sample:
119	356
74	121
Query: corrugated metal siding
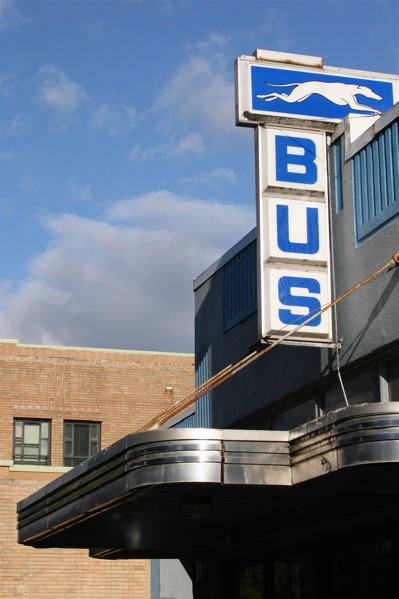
201	417
239	287
203	404
187	422
376	182
336	180
155	579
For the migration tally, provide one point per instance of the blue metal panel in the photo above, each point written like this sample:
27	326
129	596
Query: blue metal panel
376	182
336	184
239	287
201	417
187	422
155	579
202	411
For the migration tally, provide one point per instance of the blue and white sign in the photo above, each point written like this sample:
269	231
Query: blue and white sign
296	295
293	233
293	101
294	160
328	94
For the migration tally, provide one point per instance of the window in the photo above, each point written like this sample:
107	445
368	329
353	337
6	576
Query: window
376	182
81	441
393	379
32	442
361	389
249	582
304	412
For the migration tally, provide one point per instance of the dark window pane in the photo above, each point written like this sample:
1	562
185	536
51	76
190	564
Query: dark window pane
364	388
393	379
249	583
81	440
68	431
294	417
94	432
93	448
68	448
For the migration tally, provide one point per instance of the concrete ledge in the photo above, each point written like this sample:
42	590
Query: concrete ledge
27	468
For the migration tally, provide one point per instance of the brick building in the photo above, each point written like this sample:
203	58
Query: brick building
59	405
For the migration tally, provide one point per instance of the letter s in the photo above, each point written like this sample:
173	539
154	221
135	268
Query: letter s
285	296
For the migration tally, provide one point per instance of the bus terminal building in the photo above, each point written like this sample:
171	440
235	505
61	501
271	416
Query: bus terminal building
279	478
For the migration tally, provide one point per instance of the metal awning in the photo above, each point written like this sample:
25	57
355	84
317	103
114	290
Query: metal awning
179	492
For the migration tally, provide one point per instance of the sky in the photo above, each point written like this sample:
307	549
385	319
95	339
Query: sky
122	173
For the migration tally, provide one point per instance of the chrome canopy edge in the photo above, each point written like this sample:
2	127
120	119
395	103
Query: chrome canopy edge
142	480
361	435
147	460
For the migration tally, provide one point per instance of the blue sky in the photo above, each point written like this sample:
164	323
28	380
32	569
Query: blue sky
123	175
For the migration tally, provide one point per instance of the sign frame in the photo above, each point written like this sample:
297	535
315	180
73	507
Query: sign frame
299	112
274	264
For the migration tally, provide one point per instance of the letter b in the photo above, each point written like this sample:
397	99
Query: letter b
295	160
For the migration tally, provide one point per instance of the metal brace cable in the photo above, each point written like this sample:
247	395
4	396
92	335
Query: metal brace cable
232	369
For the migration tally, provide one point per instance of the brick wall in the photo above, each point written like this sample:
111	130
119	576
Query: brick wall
60	573
120	389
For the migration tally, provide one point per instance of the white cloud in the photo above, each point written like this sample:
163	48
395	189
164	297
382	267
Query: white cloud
56	91
125	281
218	176
199	91
19	124
215	180
194	104
183	146
115	119
10	15
189	144
8	84
10	156
274	28
95	30
80	192
224	174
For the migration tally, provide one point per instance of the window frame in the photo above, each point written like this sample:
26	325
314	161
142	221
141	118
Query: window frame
70	457
24	458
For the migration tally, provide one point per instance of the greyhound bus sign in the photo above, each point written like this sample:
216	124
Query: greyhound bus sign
273	89
293	248
294	102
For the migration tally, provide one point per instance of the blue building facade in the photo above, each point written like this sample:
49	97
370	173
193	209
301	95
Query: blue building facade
299	387
298	382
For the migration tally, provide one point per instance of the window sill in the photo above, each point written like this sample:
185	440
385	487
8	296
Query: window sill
29	468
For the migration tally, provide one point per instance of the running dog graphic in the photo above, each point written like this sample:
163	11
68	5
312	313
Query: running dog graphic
339	93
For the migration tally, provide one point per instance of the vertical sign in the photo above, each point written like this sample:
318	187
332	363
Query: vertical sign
293	232
292	100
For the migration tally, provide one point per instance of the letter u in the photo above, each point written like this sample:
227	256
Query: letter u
312	244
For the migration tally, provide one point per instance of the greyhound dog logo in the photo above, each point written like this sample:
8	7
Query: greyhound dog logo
342	94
